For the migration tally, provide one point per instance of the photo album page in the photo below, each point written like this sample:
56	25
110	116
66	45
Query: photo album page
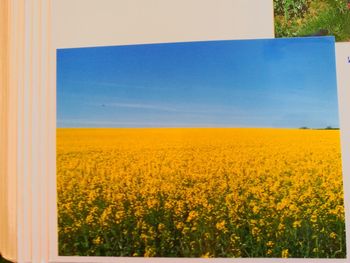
211	146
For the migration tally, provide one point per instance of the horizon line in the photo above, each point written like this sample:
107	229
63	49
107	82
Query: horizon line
206	127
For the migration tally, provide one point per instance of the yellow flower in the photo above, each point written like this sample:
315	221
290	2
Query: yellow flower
150	252
161	227
192	215
89	219
255	231
285	253
333	235
221	226
97	241
180	225
256	209
297	224
313	218
270	244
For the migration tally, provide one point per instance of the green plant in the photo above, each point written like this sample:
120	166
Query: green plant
291	8
339	5
308	17
336	23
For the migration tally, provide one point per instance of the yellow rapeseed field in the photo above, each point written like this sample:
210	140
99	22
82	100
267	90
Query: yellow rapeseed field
200	192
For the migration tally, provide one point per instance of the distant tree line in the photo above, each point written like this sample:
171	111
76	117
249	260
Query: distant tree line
327	128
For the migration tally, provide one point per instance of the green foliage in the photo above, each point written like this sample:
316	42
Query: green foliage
339	5
303	18
291	8
336	24
286	29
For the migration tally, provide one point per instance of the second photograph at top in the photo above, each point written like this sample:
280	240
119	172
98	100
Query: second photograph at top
305	18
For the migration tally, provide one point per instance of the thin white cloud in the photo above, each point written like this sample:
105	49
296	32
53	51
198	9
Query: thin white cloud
113	85
79	122
141	106
185	108
194	121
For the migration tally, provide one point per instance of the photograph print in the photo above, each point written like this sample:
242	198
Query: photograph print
219	149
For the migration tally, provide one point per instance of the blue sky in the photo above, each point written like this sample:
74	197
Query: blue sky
280	83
